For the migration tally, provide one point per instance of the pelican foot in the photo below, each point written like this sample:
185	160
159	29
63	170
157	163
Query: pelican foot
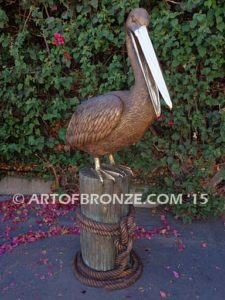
104	174
119	170
127	170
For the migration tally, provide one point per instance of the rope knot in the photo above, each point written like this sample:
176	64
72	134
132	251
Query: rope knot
128	266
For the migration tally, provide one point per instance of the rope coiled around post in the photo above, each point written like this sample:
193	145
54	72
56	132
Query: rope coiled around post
128	266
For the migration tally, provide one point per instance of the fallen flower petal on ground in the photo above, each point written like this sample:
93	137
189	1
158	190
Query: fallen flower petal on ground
176	274
163	295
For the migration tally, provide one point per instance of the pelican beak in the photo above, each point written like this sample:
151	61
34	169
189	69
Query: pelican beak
150	68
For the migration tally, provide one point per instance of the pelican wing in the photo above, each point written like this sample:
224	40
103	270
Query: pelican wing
94	119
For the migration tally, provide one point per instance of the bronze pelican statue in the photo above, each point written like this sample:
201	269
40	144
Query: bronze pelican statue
105	124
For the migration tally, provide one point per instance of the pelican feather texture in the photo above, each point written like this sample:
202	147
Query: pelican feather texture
105	124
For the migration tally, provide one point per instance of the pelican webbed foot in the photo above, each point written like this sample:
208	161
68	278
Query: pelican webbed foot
120	170
104	173
126	169
114	169
110	171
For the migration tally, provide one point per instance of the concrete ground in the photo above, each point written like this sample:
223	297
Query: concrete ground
191	266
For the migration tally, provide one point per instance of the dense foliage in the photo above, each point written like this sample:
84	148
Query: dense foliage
53	53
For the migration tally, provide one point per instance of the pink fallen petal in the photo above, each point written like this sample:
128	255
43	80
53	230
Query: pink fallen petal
176	274
163	295
163	218
180	245
176	233
204	245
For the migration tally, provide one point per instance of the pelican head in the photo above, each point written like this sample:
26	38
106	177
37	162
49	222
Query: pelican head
136	24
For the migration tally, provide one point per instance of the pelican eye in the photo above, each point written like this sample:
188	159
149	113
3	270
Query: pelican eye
134	20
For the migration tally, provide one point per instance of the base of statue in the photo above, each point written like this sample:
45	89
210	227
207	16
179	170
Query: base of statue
106	258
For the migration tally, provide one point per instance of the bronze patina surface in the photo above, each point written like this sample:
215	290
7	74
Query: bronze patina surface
105	124
108	123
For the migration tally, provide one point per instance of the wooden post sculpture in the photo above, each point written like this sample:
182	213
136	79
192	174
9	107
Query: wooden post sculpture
101	126
106	258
